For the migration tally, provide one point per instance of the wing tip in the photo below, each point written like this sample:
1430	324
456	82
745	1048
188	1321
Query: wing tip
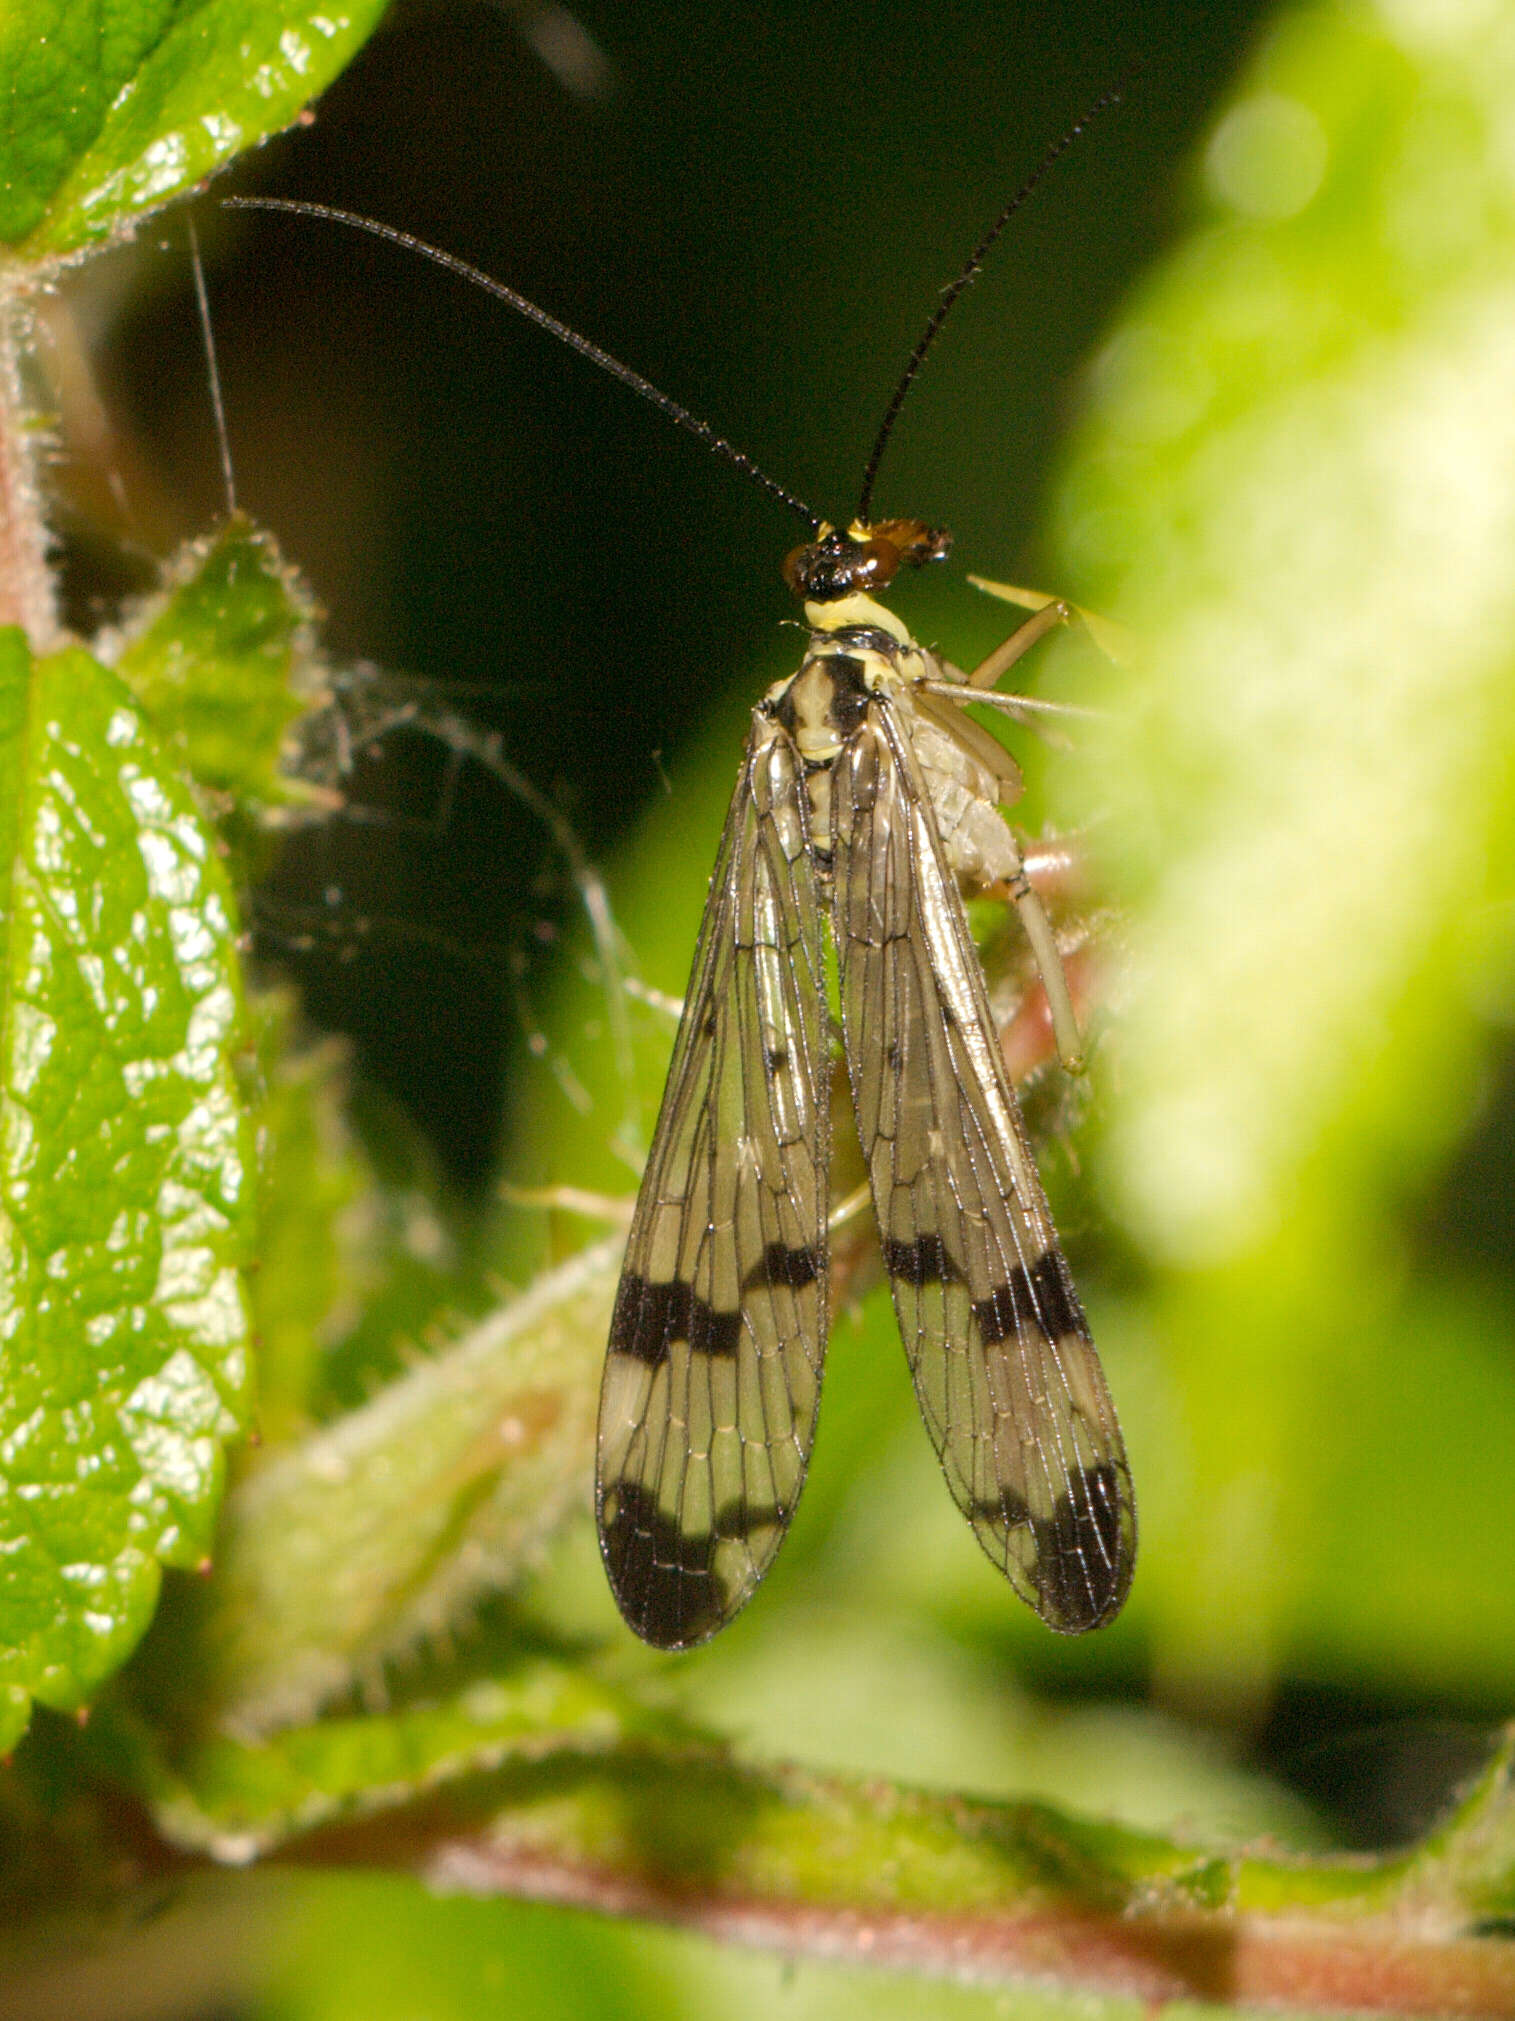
664	1580
1086	1552
1073	1568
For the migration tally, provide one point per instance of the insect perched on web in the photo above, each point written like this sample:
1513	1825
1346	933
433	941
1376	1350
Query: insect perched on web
865	801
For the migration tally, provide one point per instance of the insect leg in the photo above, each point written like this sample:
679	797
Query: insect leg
1015	885
1049	962
1113	640
988	673
1025	709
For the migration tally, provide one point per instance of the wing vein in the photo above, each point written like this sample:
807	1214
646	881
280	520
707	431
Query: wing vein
1005	1371
707	1410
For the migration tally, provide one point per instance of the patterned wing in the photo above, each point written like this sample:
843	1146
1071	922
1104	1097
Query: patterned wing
713	1373
1005	1371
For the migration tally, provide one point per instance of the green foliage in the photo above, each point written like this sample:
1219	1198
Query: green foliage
1294	483
110	111
236	1799
315	1259
545	1753
382	1530
220	660
129	1182
127	1179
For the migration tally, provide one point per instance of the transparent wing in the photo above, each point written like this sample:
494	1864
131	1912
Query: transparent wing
1005	1371
713	1373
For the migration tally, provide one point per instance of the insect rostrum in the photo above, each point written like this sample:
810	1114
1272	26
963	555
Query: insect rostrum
863	800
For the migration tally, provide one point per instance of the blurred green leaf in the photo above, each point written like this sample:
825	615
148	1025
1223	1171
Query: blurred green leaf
111	110
314	1260
222	662
411	1272
127	1177
235	1799
373	1945
360	1255
1297	483
385	1528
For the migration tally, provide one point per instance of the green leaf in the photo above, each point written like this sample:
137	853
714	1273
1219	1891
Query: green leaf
126	1183
108	111
222	662
219	660
1297	483
314	1216
360	1252
388	1526
236	1799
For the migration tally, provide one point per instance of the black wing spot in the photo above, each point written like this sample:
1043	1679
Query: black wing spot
649	1318
664	1578
1005	1509
1042	1296
779	1264
1083	1554
924	1260
1083	1565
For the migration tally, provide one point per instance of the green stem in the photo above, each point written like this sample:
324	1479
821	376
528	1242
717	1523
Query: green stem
824	1867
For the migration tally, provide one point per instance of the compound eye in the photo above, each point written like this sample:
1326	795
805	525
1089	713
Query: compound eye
839	565
913	540
883	561
797	565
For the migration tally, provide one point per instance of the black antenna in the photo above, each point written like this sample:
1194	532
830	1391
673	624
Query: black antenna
970	273
706	434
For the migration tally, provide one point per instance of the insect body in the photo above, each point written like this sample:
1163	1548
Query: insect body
863	797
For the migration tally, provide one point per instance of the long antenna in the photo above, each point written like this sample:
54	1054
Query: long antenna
970	273
681	415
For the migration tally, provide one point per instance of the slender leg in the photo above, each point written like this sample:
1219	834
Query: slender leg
612	1208
1017	887
848	1210
1049	963
1113	640
989	672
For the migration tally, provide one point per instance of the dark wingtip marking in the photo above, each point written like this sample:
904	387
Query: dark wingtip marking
664	1581
649	1318
779	1264
1042	1296
1085	1550
1084	1555
924	1260
664	1577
